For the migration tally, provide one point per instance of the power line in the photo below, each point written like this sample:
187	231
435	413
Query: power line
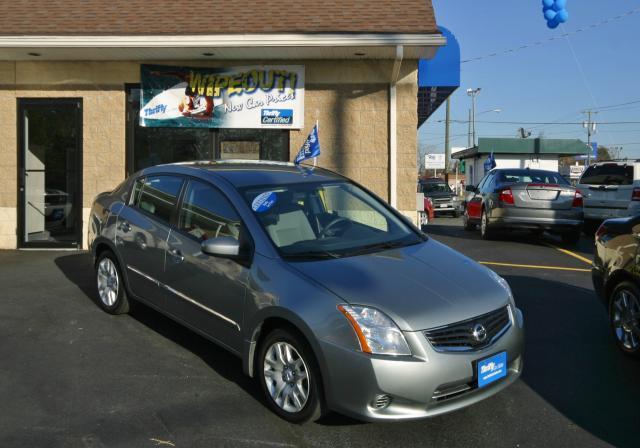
551	39
548	122
618	105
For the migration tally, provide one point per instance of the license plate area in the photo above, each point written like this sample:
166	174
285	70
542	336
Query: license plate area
491	369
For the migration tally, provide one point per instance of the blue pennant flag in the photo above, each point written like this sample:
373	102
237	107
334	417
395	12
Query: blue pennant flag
490	163
310	148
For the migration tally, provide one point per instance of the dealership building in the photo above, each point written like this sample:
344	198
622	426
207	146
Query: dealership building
93	91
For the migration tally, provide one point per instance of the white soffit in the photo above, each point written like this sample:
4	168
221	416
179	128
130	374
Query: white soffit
265	46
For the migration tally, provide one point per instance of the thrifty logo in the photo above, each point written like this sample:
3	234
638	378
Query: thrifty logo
277	116
159	109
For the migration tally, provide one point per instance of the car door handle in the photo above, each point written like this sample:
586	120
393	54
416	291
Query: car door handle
176	255
125	227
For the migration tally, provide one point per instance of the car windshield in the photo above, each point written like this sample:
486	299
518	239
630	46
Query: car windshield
326	220
531	176
608	174
435	187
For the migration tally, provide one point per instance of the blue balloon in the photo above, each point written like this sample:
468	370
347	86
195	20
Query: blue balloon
553	24
550	14
547	3
562	16
559	5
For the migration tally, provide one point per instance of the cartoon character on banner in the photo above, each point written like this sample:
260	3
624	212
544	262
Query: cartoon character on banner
197	106
555	12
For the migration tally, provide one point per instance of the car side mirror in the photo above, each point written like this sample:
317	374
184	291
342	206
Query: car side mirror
470	188
222	246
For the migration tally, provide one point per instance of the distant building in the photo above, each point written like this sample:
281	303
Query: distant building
539	153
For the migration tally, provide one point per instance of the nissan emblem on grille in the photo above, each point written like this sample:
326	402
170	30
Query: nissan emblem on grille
471	334
479	333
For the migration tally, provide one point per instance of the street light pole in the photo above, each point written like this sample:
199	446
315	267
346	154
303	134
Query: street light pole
469	134
473	93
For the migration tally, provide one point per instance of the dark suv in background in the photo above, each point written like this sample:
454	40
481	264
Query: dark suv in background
443	198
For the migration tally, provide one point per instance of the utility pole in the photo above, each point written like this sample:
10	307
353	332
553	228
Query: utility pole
590	125
447	142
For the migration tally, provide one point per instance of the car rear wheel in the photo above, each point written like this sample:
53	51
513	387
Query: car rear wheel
571	238
468	225
486	232
624	317
289	377
111	293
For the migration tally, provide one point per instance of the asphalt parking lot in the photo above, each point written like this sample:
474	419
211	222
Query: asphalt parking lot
71	375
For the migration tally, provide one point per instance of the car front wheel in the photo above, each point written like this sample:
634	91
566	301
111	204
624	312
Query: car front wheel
624	317
289	377
468	225
111	294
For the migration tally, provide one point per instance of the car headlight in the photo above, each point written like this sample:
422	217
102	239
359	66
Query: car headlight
503	283
376	332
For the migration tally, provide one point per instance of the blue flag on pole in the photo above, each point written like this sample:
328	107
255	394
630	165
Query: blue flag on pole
490	163
310	148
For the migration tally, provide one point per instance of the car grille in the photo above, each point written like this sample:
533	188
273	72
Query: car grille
460	337
441	200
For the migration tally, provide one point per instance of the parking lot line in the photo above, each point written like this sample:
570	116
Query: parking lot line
533	266
568	252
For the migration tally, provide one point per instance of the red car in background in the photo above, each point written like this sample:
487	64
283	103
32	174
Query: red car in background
428	214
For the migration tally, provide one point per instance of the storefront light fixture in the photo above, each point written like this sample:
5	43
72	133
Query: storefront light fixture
34	54
360	53
208	54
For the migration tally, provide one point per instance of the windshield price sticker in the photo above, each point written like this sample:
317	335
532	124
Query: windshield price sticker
264	201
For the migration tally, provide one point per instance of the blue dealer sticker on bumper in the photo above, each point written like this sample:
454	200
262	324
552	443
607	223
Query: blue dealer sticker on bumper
277	116
492	369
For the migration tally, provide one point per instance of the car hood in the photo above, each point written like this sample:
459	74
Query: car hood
422	286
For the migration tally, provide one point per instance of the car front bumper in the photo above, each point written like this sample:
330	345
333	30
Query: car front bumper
426	384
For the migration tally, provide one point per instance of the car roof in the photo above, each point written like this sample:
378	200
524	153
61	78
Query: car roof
246	173
432	180
524	170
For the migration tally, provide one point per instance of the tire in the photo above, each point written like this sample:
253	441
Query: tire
468	225
537	233
624	327
112	296
590	226
456	214
486	232
281	353
423	218
571	238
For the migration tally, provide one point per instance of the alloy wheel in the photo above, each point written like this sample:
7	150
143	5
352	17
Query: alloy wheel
626	319
483	223
108	282
286	377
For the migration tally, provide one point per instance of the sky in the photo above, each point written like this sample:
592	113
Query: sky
553	82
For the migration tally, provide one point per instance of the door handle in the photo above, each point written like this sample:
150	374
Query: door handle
177	256
125	227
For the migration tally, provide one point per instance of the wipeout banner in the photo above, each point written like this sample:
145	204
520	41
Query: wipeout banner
269	96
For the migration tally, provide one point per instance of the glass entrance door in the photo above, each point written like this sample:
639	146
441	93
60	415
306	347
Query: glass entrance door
49	152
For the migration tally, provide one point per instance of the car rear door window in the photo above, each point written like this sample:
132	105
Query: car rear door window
157	195
608	174
206	213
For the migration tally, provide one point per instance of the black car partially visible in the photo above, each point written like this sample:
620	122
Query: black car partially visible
616	278
443	198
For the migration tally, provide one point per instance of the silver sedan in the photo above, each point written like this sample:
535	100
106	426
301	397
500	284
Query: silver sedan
331	298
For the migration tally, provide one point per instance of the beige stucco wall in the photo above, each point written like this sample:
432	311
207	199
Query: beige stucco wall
350	100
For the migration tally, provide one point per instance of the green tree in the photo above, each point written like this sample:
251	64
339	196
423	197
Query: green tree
603	153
